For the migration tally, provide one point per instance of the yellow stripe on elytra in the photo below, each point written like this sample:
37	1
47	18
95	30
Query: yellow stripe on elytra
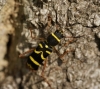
32	59
37	52
41	45
48	52
41	54
55	37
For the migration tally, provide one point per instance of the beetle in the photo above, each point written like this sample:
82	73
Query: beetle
43	50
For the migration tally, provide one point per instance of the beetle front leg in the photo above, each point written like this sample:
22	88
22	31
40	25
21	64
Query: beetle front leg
66	52
70	41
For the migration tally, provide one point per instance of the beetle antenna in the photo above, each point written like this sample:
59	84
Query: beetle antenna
78	36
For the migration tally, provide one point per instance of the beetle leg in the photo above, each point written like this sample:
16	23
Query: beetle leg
70	41
56	51
66	52
62	55
45	62
23	55
42	74
45	79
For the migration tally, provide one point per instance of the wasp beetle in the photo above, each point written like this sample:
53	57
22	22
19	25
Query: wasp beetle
43	50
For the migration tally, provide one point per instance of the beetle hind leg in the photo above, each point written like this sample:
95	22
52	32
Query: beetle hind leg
42	74
23	54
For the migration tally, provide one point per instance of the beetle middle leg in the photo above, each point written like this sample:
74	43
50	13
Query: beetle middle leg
62	55
67	51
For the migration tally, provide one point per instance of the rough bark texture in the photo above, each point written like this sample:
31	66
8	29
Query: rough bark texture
78	18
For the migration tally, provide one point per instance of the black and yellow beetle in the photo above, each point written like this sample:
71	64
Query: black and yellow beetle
43	50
